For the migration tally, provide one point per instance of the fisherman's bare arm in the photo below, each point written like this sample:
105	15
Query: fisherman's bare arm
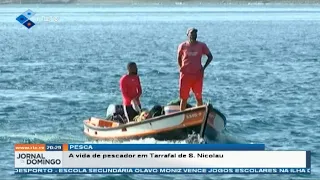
208	53
179	56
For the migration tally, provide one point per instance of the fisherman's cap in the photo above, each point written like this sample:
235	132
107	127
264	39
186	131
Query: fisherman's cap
191	30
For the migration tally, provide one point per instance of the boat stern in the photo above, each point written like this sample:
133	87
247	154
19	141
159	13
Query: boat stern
90	125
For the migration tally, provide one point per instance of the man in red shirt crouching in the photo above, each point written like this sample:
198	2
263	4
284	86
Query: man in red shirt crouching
131	90
190	53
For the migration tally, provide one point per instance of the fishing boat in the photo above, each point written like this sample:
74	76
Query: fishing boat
170	126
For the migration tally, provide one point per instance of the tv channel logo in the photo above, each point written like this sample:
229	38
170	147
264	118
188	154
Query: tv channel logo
24	18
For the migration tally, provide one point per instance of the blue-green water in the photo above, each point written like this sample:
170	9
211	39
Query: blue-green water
264	77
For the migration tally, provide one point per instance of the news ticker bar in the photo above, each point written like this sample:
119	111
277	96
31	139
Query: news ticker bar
138	147
162	171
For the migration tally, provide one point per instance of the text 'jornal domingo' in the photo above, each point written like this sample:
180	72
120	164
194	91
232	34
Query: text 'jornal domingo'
36	159
145	155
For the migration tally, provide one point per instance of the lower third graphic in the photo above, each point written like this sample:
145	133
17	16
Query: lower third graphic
24	18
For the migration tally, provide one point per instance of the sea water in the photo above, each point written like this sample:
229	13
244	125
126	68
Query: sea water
264	76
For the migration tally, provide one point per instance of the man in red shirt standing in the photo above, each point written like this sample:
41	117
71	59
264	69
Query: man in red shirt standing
191	70
131	90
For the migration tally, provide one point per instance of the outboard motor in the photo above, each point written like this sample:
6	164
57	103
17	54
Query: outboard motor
111	110
116	113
